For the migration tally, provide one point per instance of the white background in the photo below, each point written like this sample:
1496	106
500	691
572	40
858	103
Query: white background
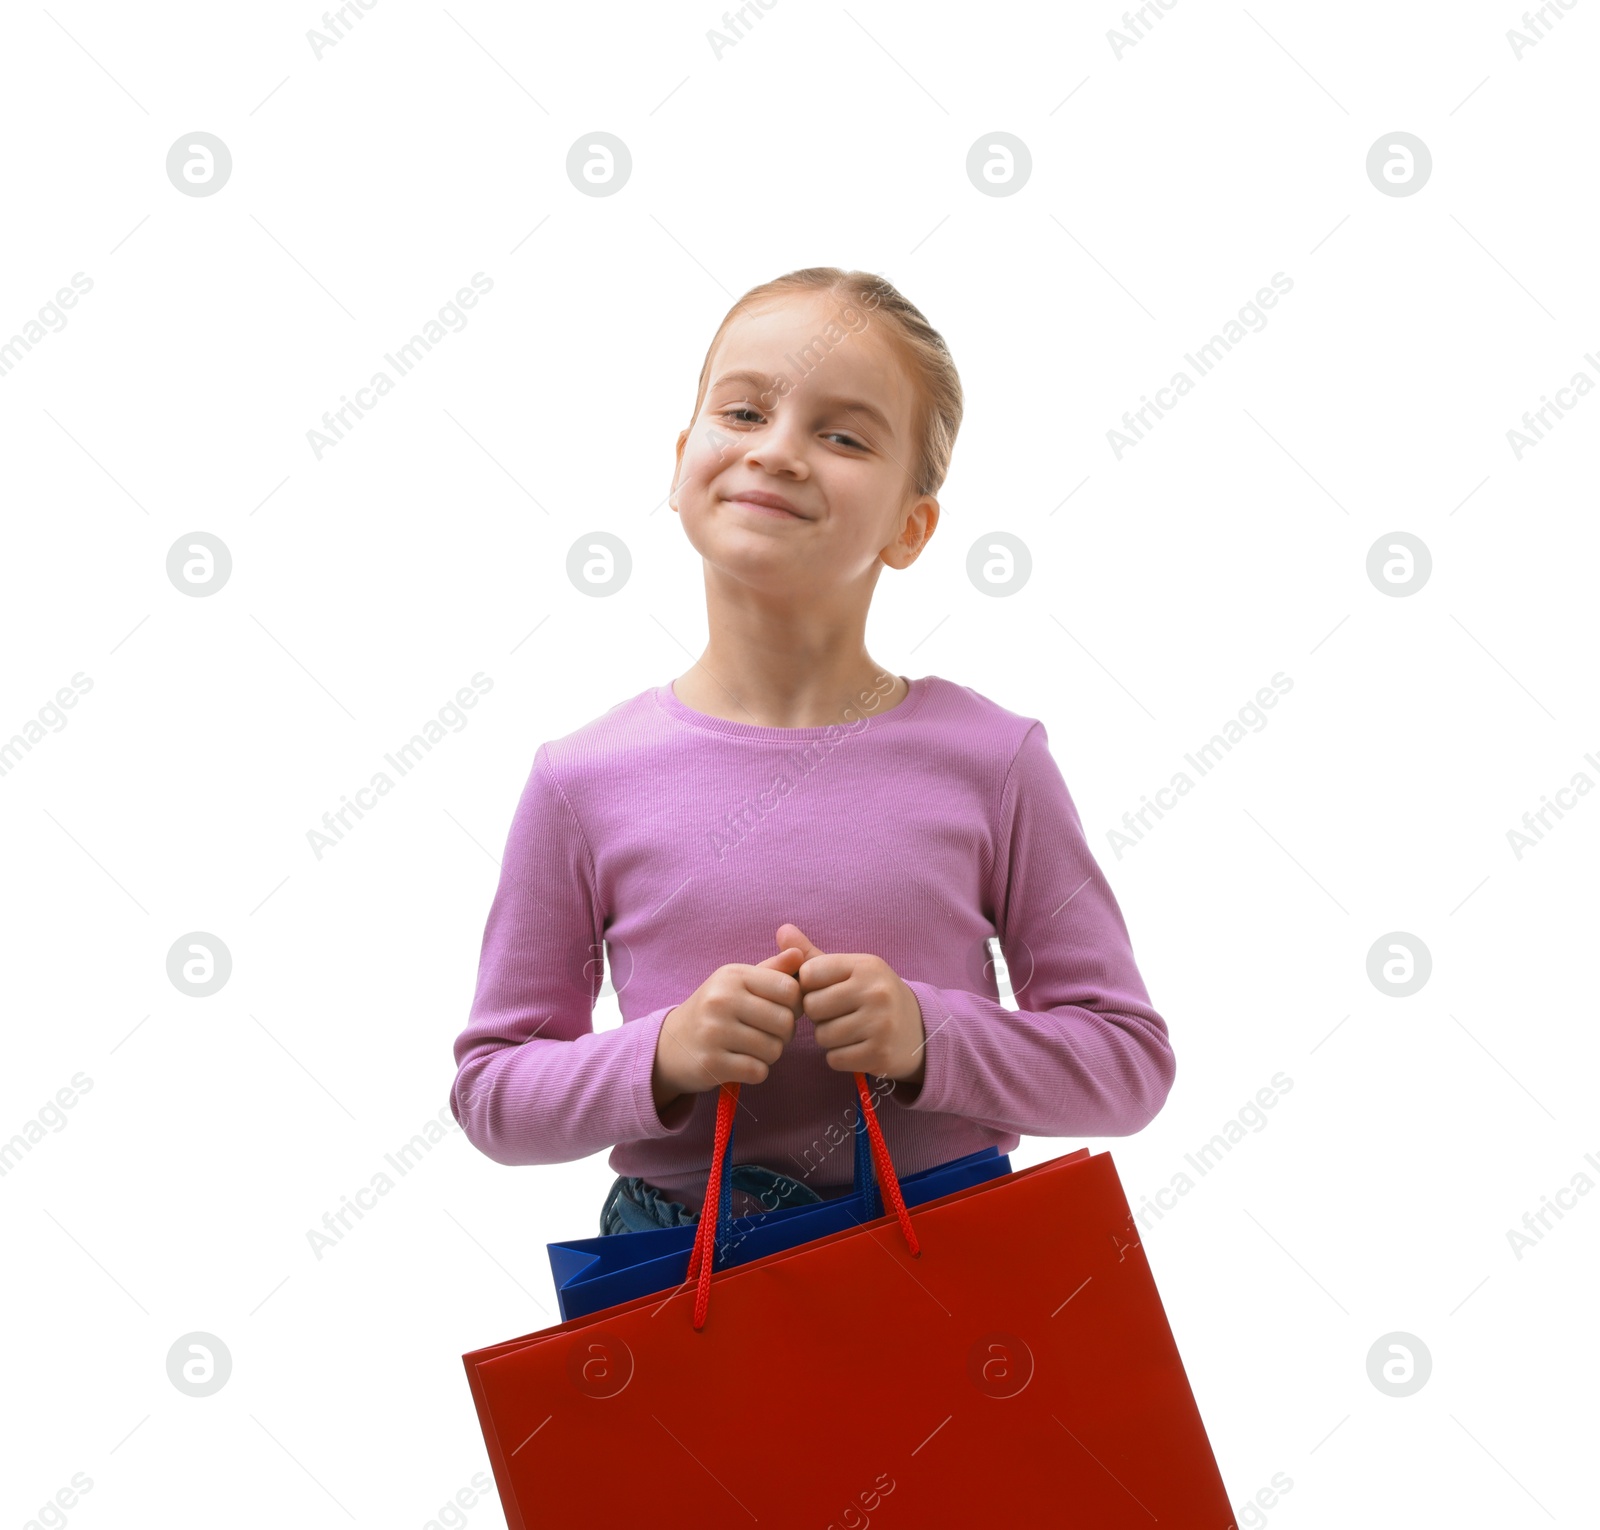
1167	186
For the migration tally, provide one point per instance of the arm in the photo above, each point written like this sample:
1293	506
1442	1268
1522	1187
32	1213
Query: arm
1085	1054
535	1082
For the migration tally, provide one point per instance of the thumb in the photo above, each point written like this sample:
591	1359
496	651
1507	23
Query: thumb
787	960
793	935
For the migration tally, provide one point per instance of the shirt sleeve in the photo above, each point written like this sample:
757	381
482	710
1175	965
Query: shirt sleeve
1085	1054
535	1082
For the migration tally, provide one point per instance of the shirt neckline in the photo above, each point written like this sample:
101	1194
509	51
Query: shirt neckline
667	699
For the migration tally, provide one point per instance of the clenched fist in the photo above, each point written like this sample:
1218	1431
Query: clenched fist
866	1019
730	1030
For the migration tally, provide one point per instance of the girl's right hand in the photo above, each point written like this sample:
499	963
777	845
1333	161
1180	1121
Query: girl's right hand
730	1030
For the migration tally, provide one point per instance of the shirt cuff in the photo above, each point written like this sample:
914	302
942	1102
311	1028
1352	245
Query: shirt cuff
937	1046
648	1037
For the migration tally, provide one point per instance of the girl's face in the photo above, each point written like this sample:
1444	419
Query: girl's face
807	407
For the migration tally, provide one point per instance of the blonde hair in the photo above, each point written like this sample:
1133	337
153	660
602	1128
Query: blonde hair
936	413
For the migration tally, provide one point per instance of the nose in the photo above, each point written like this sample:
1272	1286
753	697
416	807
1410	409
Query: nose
778	447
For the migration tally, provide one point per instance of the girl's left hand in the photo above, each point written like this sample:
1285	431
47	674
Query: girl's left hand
865	1018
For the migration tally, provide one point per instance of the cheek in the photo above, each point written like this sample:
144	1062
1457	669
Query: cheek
708	450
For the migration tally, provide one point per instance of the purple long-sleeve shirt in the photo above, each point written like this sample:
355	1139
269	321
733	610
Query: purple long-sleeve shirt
677	842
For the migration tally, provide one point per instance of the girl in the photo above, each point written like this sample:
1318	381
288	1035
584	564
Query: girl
794	859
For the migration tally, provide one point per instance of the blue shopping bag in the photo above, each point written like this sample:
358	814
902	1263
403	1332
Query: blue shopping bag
595	1273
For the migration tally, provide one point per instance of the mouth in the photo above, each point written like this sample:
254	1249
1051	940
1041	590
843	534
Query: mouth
758	502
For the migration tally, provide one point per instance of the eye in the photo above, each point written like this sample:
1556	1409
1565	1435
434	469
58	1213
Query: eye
733	411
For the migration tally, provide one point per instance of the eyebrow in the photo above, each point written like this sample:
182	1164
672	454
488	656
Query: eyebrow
861	406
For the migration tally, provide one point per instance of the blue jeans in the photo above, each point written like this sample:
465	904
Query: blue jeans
632	1205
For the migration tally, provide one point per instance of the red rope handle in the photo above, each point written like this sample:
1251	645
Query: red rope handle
888	1180
705	1236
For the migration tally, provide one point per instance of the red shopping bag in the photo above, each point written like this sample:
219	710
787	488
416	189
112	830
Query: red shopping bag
1017	1368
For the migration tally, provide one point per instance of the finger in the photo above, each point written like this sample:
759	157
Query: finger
823	971
844	1031
786	960
778	987
753	1041
793	935
853	1059
739	1068
772	1019
709	1067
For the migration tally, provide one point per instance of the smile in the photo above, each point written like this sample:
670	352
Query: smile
756	508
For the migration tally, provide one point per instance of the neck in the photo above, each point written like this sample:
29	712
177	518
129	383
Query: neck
788	689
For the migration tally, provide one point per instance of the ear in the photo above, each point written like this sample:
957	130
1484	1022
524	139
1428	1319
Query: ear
677	467
917	525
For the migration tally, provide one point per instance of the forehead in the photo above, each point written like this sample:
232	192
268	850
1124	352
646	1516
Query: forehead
807	338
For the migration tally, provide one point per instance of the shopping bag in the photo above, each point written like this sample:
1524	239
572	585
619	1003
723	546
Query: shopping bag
592	1273
998	1355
